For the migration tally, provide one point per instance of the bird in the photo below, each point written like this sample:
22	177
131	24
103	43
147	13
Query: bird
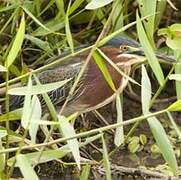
92	91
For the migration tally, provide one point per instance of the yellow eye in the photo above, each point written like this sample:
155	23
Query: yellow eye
124	48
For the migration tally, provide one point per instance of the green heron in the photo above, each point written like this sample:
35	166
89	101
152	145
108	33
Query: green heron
92	91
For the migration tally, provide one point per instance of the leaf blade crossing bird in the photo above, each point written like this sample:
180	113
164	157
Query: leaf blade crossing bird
92	91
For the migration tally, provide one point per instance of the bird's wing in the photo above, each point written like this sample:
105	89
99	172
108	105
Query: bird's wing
59	73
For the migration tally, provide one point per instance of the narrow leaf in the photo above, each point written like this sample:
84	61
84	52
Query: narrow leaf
37	89
145	91
3	69
176	77
107	165
176	106
119	134
35	116
94	4
67	29
177	55
176	128
102	66
27	105
76	4
152	60
16	46
147	8
36	20
85	172
26	168
3	133
163	143
13	115
67	131
49	155
117	68
40	43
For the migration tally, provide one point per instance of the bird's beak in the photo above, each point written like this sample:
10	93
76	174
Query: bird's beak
138	56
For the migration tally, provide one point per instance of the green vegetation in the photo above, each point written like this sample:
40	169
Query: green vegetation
34	35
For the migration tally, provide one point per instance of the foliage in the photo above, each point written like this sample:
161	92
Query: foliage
34	36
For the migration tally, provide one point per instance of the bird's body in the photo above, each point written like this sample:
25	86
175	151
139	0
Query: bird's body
92	91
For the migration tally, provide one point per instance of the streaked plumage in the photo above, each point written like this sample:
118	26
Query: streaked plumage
92	91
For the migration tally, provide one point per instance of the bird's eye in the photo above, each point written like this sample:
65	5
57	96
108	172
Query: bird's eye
124	48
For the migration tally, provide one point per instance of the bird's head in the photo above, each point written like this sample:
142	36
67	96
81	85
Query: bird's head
127	52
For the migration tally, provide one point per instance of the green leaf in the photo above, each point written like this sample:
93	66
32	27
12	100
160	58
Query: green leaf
18	41
152	60
11	116
67	29
163	143
145	91
119	134
25	167
67	130
117	68
176	106
3	69
49	155
37	89
53	25
3	133
76	4
36	112
60	6
176	77
148	8
102	66
48	102
177	55
107	165
161	6
94	4
36	20
175	27
85	172
176	128
25	119
174	43
38	42
155	126
163	31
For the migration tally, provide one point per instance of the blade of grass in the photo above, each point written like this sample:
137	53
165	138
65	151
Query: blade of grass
85	172
18	41
163	143
36	20
40	43
106	162
119	134
67	130
176	128
37	89
25	167
35	116
26	113
67	29
147	8
94	4
156	127
49	155
102	66
152	60
176	106
145	91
